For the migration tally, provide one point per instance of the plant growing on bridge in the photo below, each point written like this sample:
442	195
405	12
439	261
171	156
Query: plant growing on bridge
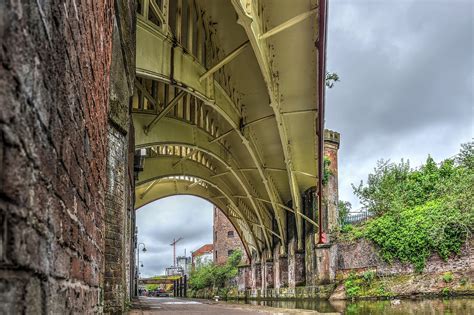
331	78
326	171
420	211
215	276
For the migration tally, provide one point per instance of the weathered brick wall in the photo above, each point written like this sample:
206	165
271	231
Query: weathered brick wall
54	94
331	190
223	243
120	214
362	255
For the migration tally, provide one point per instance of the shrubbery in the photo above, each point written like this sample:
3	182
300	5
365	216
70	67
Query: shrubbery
420	211
215	276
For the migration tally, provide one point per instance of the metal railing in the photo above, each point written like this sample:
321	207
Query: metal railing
357	217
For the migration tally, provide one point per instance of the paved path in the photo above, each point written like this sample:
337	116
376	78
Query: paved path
162	306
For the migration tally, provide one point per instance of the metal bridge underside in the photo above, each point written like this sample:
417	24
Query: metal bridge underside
226	108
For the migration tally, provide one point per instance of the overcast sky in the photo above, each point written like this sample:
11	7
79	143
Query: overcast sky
406	91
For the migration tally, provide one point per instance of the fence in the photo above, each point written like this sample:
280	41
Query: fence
357	217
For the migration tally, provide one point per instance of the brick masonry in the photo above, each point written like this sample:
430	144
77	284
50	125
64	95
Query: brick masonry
362	255
55	63
120	213
226	238
53	122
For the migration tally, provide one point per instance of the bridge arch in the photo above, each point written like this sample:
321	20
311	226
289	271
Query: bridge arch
249	245
256	126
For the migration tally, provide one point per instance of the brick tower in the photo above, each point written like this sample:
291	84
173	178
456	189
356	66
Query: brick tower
226	239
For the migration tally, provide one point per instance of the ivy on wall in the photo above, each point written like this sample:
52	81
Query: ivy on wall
421	211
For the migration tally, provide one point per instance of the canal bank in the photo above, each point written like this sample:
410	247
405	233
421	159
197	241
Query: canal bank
362	274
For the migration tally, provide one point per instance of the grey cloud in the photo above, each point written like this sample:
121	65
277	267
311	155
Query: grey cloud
406	87
161	221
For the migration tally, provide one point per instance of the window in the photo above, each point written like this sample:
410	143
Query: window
229	252
230	234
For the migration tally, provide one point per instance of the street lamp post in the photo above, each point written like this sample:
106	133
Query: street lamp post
138	263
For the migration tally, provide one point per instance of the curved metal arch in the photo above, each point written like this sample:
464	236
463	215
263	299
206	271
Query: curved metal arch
218	204
220	190
163	166
172	131
251	24
152	40
235	175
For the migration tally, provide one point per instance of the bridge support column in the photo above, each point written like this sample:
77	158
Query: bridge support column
269	275
325	263
244	278
280	268
256	279
296	265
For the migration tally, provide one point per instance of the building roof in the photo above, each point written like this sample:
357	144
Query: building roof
203	250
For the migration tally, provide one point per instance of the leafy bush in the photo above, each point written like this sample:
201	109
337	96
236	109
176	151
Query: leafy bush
368	276
215	276
352	289
448	277
422	211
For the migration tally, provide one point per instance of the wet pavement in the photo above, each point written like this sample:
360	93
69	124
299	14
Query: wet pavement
169	305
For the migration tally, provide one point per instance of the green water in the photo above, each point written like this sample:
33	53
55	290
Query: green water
454	306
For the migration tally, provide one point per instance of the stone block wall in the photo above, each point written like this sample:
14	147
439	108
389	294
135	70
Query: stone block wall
362	255
54	94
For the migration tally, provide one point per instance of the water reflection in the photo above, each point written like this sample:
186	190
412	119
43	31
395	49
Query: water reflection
461	306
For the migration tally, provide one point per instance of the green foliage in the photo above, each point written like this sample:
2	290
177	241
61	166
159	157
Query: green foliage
445	291
344	208
448	277
463	281
327	172
352	286
331	78
215	276
368	276
420	211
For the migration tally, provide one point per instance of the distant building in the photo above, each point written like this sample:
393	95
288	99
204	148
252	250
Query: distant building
226	239
184	263
174	270
203	255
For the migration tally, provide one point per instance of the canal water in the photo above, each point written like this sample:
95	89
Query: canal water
454	306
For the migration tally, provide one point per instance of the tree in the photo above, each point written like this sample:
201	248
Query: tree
343	208
215	276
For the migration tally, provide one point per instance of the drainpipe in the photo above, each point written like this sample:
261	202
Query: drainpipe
321	93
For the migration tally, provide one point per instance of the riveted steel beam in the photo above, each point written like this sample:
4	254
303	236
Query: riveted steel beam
150	40
164	111
160	168
224	61
289	23
175	131
251	24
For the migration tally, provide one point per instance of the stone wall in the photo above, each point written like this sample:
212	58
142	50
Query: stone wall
66	186
331	190
120	214
54	95
223	242
362	255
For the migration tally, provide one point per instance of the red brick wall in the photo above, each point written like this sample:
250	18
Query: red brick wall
54	83
222	242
